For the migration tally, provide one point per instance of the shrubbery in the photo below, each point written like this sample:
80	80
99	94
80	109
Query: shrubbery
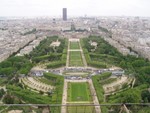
28	96
2	92
128	96
56	64
50	57
58	82
31	97
106	55
15	65
98	88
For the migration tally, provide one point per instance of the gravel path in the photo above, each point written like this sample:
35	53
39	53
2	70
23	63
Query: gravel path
67	62
83	58
94	96
64	98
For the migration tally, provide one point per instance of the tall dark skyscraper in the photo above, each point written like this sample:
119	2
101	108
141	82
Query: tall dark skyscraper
64	14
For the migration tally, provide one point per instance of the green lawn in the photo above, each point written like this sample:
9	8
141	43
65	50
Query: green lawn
75	58
81	109
74	45
78	92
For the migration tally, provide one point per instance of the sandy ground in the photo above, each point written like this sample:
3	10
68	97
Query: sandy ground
15	111
112	86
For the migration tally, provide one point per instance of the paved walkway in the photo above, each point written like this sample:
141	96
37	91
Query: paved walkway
74	50
83	57
64	98
67	62
94	96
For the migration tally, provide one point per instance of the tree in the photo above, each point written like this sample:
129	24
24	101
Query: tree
5	64
41	92
7	71
145	70
2	92
145	96
131	96
138	63
8	99
122	64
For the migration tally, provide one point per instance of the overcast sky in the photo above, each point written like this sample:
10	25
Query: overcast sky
75	7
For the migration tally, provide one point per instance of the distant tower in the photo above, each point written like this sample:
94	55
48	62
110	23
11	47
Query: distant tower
65	14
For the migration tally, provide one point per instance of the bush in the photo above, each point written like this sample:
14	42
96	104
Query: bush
8	99
98	88
2	92
15	64
128	96
104	75
145	96
97	64
58	82
50	57
28	96
56	64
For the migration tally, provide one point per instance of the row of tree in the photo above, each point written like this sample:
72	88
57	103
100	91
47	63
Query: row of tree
44	47
109	55
136	66
15	65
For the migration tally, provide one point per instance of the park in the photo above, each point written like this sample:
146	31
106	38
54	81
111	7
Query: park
78	92
76	74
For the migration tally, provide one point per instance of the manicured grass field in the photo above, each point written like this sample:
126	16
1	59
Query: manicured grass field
78	92
75	58
81	109
74	45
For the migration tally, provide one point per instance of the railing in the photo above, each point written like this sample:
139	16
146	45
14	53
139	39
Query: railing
76	108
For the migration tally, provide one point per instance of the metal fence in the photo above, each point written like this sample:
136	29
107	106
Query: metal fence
75	108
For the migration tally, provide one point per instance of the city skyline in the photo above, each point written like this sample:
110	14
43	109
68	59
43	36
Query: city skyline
75	8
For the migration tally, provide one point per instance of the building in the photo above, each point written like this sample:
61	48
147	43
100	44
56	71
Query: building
64	14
